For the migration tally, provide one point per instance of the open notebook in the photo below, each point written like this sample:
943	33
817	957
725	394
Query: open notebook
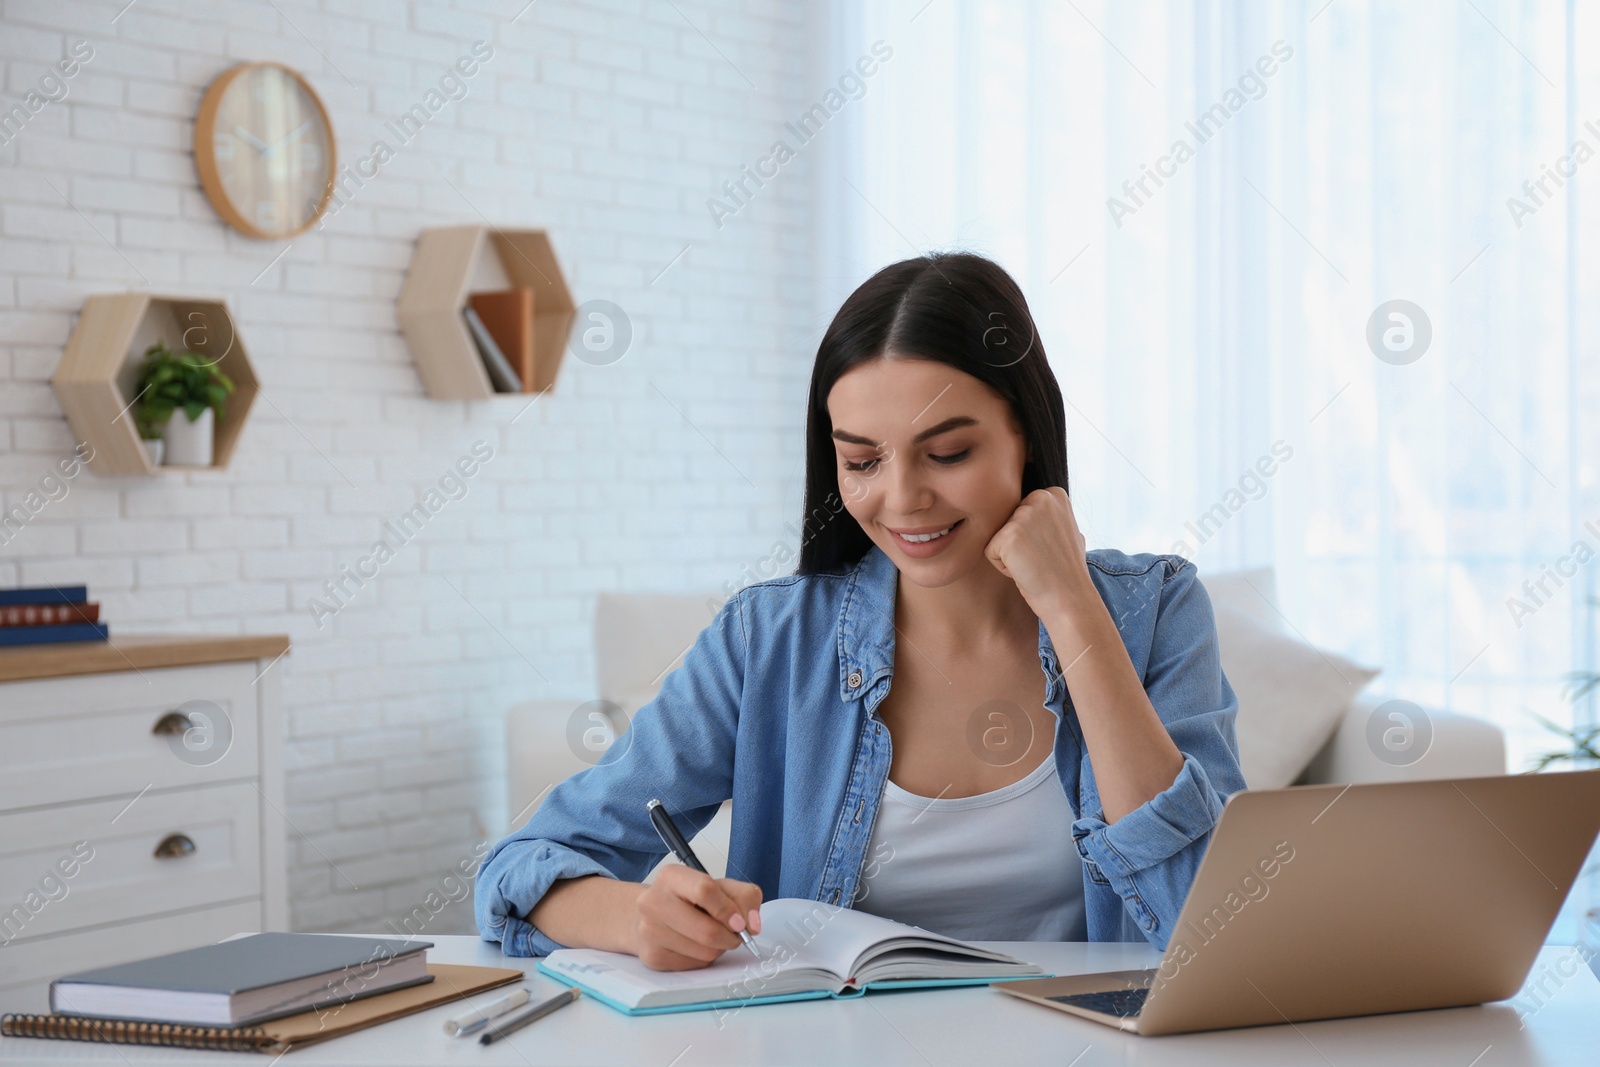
808	950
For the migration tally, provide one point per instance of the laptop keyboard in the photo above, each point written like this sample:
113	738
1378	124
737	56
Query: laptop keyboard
1123	1003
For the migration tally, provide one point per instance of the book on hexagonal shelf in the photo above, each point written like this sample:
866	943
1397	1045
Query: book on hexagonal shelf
451	266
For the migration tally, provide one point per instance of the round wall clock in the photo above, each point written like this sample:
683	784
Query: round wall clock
264	148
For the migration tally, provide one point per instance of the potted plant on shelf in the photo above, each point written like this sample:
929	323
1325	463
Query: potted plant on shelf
150	439
172	381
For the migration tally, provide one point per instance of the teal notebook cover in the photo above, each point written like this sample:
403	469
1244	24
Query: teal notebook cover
745	1002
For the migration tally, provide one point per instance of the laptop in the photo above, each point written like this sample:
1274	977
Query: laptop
1322	902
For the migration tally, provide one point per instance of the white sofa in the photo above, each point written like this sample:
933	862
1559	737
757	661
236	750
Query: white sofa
640	637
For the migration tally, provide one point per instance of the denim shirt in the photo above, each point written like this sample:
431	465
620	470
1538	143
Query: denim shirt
775	705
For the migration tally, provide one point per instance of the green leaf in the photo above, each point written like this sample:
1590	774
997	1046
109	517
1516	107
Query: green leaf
169	380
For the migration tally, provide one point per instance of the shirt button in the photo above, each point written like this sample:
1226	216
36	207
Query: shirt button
854	679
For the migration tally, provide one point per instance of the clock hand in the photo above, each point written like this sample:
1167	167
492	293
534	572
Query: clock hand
260	145
286	138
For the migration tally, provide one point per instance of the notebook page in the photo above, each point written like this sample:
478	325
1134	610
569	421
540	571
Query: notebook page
833	938
804	945
848	943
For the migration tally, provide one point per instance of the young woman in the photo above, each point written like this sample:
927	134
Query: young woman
952	715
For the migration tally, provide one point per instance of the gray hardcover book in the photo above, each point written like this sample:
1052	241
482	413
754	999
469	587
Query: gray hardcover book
246	980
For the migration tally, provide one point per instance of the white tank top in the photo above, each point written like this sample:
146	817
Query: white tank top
998	866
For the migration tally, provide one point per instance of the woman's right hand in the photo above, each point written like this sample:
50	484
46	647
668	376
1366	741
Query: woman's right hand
685	919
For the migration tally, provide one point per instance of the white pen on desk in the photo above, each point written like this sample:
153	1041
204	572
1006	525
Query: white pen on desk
476	1019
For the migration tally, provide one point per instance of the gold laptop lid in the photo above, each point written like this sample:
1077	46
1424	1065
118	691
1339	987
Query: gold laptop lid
1326	901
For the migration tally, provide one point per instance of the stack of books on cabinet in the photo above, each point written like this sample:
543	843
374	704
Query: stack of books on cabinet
49	615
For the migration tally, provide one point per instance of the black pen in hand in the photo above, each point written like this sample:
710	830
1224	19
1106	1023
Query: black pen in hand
674	840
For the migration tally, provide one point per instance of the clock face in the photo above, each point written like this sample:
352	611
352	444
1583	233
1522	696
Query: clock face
264	150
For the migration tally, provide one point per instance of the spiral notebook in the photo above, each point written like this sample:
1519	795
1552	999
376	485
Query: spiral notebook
808	950
450	982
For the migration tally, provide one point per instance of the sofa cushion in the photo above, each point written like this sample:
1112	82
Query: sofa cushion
1254	592
640	637
1292	696
1449	745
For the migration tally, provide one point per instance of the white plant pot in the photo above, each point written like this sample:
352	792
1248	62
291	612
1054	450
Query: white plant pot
189	443
154	450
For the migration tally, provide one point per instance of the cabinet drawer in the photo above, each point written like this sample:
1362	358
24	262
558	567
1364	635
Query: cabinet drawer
117	875
69	739
28	967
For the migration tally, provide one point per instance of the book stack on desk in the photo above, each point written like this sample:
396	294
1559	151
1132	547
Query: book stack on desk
244	981
49	615
262	992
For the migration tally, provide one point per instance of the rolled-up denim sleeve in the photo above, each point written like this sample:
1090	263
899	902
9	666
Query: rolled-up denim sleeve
679	748
1150	855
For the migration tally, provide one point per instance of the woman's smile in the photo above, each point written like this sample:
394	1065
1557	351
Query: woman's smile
920	542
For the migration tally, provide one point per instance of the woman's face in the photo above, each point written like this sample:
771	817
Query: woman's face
926	449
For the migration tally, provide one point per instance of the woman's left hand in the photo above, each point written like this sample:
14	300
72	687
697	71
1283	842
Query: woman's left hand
1041	549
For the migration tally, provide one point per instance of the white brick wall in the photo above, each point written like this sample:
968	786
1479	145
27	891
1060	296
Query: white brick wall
609	123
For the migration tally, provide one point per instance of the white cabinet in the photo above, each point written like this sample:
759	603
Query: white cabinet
140	807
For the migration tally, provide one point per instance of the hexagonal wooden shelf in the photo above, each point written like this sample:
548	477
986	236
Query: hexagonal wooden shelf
452	262
98	375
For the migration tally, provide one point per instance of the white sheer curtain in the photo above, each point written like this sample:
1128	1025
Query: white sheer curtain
1214	324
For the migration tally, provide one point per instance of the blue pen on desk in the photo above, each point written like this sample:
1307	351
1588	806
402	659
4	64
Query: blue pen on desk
680	847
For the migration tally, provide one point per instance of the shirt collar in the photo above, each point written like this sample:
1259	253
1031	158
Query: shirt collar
867	633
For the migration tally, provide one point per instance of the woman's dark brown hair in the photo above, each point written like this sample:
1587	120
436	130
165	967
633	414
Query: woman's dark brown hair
948	307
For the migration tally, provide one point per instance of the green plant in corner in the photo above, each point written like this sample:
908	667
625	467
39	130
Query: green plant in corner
171	380
1582	745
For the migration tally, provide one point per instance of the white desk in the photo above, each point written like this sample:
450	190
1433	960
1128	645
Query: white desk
931	1028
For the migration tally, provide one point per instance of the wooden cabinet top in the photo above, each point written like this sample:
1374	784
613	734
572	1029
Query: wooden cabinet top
136	652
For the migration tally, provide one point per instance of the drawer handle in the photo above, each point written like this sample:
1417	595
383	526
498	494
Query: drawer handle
173	722
174	845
